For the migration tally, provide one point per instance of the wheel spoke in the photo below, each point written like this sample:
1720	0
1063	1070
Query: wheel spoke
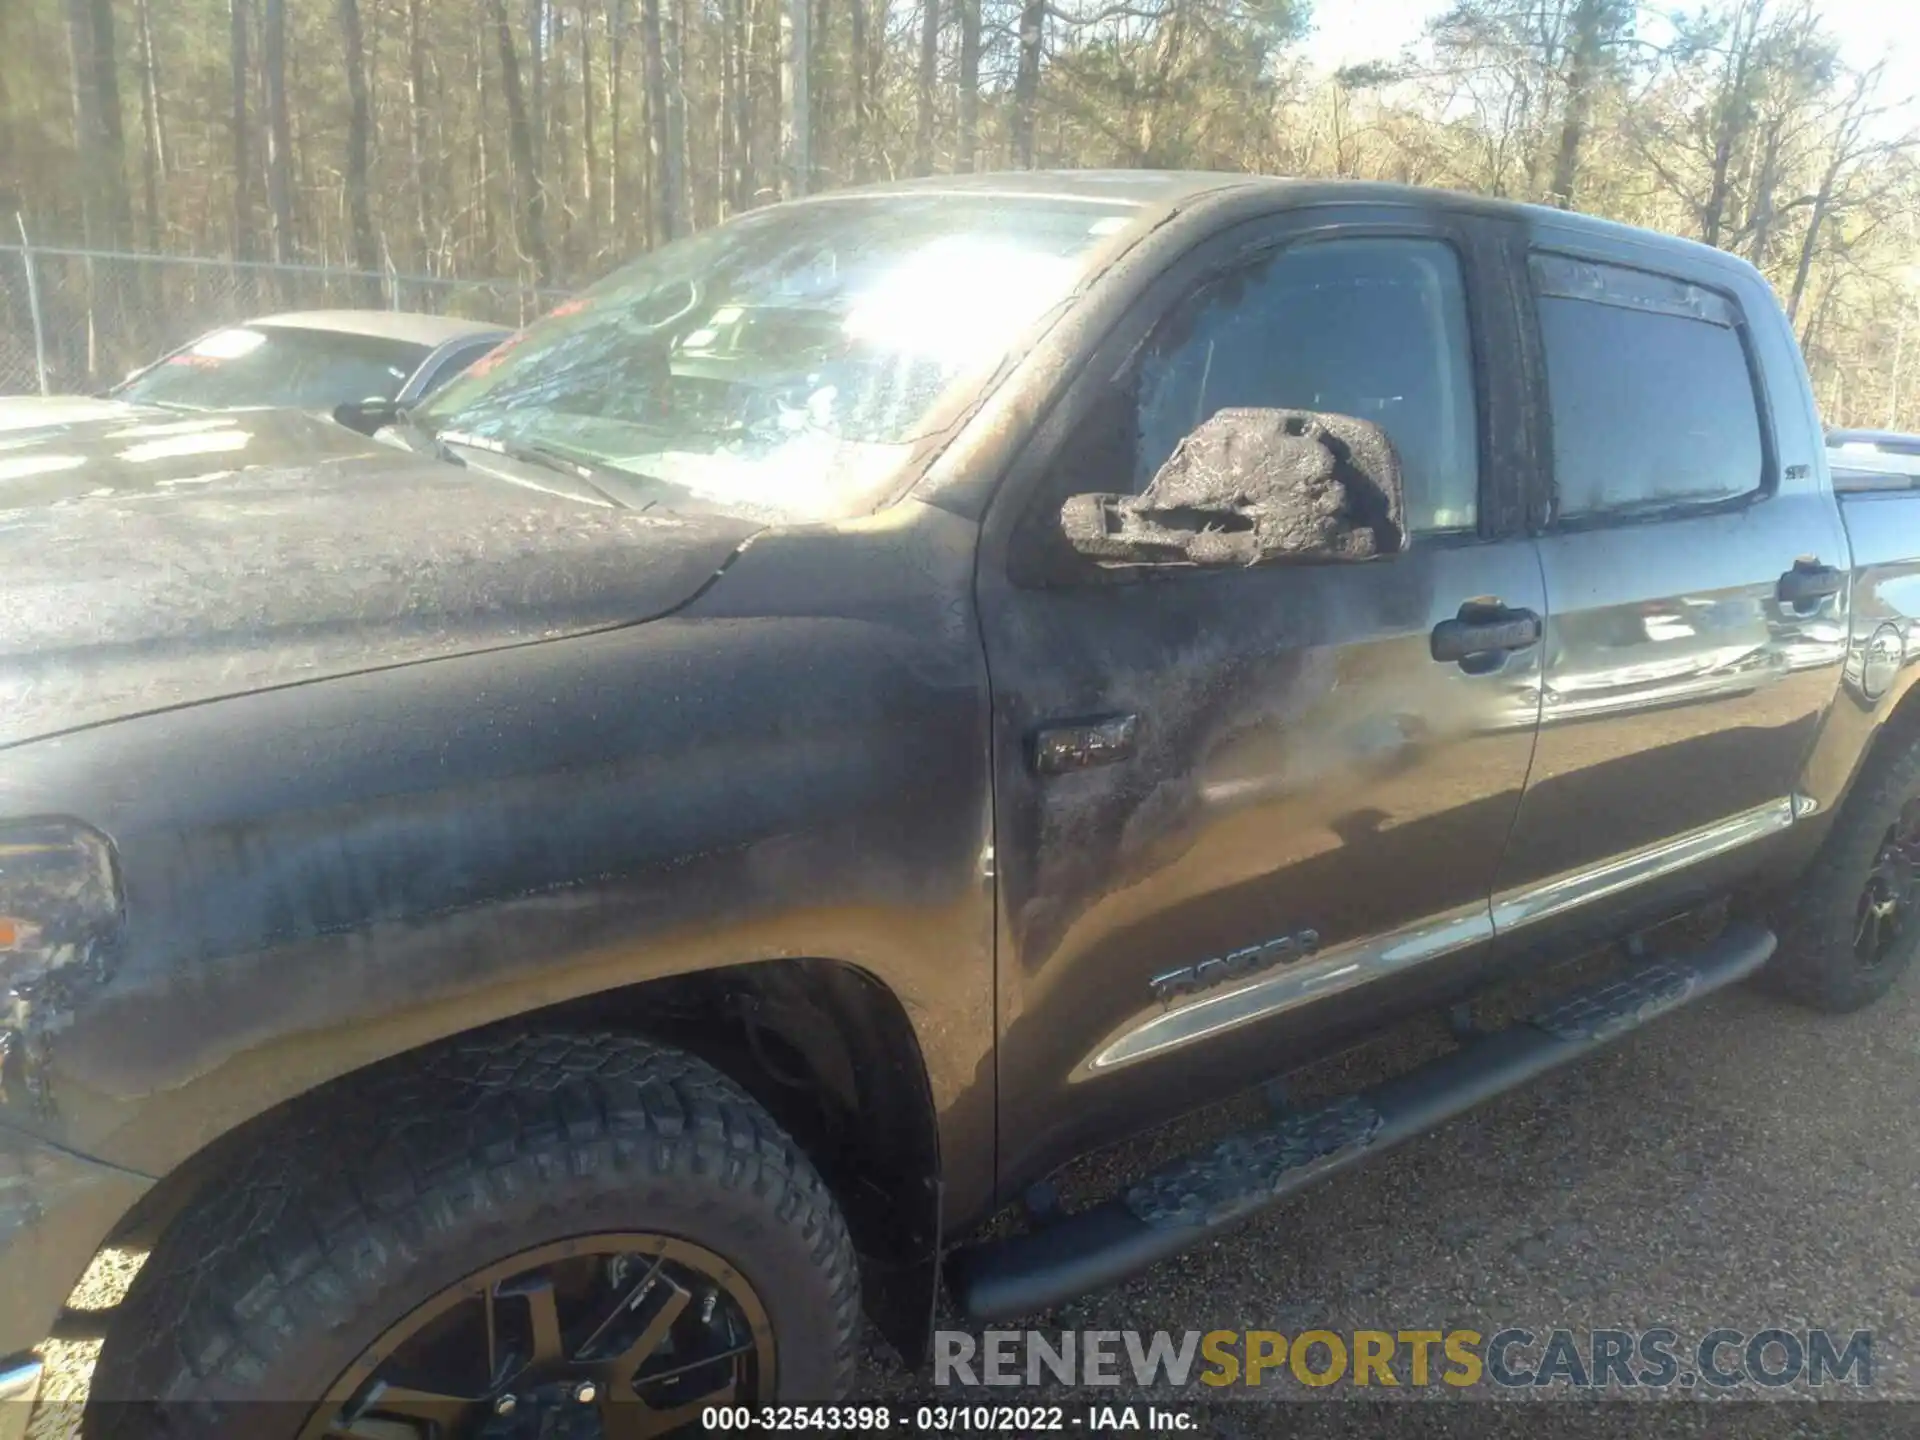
643	1422
623	1366
624	1416
629	1298
663	1376
545	1311
543	1316
489	1302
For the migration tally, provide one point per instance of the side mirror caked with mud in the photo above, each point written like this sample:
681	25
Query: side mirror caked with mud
1254	487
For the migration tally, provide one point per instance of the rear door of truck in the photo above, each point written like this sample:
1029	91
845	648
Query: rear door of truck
1696	583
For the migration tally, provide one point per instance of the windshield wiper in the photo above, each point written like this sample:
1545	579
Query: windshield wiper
419	437
532	452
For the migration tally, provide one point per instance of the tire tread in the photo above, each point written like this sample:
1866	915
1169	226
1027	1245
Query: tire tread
304	1233
1814	964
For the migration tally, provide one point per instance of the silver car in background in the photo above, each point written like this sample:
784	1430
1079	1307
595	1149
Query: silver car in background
314	360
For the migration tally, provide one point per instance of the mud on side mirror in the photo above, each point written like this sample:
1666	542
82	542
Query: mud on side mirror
1254	487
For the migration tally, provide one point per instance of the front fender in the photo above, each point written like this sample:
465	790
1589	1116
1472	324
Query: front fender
322	876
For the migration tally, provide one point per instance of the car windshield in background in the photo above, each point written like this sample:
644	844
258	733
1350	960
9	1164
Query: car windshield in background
249	366
780	367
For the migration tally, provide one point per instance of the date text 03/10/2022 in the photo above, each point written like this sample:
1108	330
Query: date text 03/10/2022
942	1419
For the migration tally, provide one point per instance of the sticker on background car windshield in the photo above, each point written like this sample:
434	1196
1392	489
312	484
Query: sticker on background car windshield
228	344
499	352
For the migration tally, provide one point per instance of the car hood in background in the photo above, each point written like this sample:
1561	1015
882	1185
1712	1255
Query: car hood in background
149	560
32	412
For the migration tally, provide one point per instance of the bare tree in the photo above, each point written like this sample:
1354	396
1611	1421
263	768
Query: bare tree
537	28
417	132
663	189
796	165
826	139
967	142
242	168
616	51
532	199
1595	24
929	75
859	119
273	61
589	148
679	170
96	120
1732	112
733	98
359	212
1026	84
1852	143
153	155
105	81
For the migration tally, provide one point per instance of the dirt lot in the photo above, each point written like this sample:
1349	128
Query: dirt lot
1740	1164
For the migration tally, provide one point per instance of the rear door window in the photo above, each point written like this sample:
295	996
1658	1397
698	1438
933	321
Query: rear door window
1651	394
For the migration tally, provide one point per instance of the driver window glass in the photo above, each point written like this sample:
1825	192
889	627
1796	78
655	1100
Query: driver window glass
1373	328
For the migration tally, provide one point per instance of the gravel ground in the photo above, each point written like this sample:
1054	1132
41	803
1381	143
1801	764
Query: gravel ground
1740	1164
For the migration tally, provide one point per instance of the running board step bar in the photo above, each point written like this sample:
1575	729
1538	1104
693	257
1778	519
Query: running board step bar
1199	1196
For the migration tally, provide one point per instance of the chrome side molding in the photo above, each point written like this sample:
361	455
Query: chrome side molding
1515	908
1362	962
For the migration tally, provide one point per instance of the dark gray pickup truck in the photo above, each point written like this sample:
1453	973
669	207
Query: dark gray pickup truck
546	913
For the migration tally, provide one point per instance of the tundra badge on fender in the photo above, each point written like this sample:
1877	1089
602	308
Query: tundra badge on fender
1237	964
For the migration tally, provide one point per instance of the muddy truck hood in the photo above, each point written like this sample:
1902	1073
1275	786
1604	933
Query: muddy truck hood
150	560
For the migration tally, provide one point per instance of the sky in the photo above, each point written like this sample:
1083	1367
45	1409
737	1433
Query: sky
1348	31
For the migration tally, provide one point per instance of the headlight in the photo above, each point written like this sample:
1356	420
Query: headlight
60	918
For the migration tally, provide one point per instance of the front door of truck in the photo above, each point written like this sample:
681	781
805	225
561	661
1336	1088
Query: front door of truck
1235	809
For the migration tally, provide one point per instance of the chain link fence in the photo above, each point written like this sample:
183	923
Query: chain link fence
76	321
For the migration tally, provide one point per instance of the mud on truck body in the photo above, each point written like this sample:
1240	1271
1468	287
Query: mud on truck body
570	900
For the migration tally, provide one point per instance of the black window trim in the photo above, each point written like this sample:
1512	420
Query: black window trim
1549	520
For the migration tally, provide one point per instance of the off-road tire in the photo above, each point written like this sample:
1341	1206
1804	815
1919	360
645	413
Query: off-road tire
270	1285
1815	963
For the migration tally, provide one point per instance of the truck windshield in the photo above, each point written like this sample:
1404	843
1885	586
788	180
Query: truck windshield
779	367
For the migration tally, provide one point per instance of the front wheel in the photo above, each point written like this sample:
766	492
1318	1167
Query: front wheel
1854	926
550	1236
